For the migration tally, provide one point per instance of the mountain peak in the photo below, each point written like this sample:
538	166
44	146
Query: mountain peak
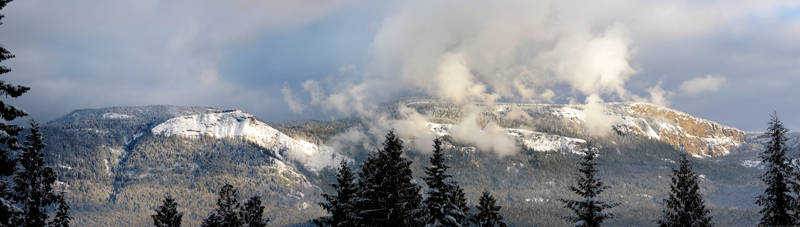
239	124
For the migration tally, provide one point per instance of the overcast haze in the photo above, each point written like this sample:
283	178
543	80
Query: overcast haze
728	61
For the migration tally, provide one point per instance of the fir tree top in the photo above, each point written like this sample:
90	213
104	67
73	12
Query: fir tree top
167	214
685	205
341	206
589	211
488	212
8	131
253	213
34	181
387	194
446	202
777	200
226	213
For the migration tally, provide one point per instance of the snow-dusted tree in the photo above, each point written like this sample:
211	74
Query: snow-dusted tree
227	212
445	202
341	206
62	217
589	210
685	205
459	198
167	214
8	131
777	201
34	181
253	213
488	212
8	136
387	195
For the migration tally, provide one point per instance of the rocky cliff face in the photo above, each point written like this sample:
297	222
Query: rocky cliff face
699	137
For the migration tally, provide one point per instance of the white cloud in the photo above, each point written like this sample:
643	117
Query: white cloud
295	105
490	137
528	51
597	122
708	83
146	52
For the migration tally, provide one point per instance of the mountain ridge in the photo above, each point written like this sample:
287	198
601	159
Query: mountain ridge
116	164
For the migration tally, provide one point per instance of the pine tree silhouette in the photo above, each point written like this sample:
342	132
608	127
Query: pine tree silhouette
589	211
341	206
685	205
446	204
8	136
387	195
34	181
62	217
227	212
777	200
167	214
8	112
253	213
488	212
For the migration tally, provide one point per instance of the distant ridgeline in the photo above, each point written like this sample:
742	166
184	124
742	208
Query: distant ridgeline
118	163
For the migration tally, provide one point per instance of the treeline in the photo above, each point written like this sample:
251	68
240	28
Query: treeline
27	186
383	193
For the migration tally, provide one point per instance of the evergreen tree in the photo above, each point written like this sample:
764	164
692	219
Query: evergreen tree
342	205
589	211
685	205
8	137
227	212
62	217
777	200
387	195
167	214
8	131
488	212
459	199
446	202
34	181
253	213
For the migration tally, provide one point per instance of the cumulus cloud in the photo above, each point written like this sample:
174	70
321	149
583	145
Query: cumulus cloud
489	137
348	100
659	96
708	83
454	82
597	122
527	51
146	52
294	104
538	51
351	139
413	127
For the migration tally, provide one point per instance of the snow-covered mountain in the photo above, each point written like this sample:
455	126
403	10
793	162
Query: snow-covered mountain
697	136
241	125
116	162
537	141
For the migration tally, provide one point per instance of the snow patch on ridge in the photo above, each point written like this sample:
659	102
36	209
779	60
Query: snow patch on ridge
537	141
571	114
116	116
238	124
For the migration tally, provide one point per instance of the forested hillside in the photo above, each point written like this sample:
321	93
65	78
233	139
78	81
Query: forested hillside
117	170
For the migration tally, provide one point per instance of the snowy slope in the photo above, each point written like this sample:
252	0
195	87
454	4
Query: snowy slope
699	137
238	124
537	141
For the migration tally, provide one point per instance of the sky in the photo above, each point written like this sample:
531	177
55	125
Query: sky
731	61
